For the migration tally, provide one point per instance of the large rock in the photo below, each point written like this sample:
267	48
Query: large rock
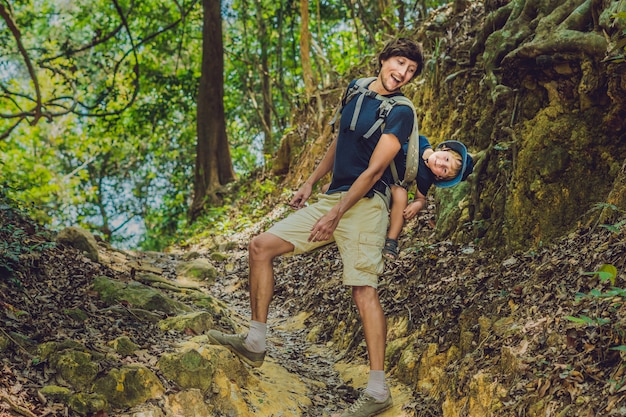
55	393
123	345
138	295
197	269
74	368
187	403
81	239
198	322
129	386
188	369
85	404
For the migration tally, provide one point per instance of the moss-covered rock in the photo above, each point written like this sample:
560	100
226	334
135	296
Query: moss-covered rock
129	386
141	296
46	349
87	404
74	367
218	257
187	403
124	346
188	369
198	269
80	239
56	393
76	314
199	322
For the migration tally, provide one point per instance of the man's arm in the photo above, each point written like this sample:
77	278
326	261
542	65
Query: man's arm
386	149
323	168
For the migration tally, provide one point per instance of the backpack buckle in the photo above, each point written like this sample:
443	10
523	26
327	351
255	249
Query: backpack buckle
385	108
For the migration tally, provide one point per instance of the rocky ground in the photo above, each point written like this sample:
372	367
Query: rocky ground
48	296
555	333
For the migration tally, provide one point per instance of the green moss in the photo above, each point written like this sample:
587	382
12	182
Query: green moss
199	322
189	369
76	314
129	386
112	291
55	393
124	346
87	404
77	368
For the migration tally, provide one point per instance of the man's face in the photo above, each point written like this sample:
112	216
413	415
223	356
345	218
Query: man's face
395	72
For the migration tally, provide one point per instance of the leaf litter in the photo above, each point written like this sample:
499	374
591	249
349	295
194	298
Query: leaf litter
437	286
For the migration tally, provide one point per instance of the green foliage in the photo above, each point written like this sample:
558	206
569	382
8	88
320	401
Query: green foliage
15	241
244	207
620	43
582	319
106	173
615	228
606	273
127	174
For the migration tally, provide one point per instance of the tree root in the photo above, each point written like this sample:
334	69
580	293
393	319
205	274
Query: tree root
566	41
534	31
15	407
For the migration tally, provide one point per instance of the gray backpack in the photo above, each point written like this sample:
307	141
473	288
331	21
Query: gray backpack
387	103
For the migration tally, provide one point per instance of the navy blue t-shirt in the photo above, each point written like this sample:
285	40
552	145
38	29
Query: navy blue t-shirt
353	152
425	177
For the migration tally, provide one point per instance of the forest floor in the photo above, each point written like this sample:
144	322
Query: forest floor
434	285
41	288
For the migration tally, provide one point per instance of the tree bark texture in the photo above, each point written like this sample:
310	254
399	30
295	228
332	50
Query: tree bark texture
305	49
213	162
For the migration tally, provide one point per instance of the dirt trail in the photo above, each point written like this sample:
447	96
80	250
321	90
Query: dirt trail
49	285
332	384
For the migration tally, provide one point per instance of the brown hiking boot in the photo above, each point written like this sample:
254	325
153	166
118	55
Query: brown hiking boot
235	342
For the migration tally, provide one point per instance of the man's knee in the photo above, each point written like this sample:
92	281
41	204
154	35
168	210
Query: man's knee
363	295
257	247
267	246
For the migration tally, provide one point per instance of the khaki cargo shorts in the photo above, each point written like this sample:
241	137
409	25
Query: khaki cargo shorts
360	235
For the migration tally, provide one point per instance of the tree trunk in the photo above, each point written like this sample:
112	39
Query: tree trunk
213	163
266	85
305	49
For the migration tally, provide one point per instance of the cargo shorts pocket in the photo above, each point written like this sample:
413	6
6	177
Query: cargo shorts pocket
369	256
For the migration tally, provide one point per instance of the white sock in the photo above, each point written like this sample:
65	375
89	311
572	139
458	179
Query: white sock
376	386
255	341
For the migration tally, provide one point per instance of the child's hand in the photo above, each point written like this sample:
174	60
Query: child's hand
412	209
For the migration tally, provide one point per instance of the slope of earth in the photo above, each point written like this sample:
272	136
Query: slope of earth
535	334
48	297
470	333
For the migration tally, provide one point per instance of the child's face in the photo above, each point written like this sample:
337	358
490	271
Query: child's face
443	165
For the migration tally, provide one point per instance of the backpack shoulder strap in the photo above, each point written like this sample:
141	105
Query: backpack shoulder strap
359	88
387	104
412	155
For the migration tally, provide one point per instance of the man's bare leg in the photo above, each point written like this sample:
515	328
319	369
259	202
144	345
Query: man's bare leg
261	253
374	324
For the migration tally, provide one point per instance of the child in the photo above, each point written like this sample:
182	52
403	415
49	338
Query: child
446	166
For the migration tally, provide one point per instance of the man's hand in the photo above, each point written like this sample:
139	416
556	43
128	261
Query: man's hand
301	196
324	228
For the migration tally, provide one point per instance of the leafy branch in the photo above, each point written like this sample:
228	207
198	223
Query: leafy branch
34	108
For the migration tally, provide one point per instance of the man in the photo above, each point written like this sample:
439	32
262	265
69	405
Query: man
349	213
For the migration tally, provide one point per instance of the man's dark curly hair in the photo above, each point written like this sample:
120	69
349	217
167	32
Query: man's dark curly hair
406	48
